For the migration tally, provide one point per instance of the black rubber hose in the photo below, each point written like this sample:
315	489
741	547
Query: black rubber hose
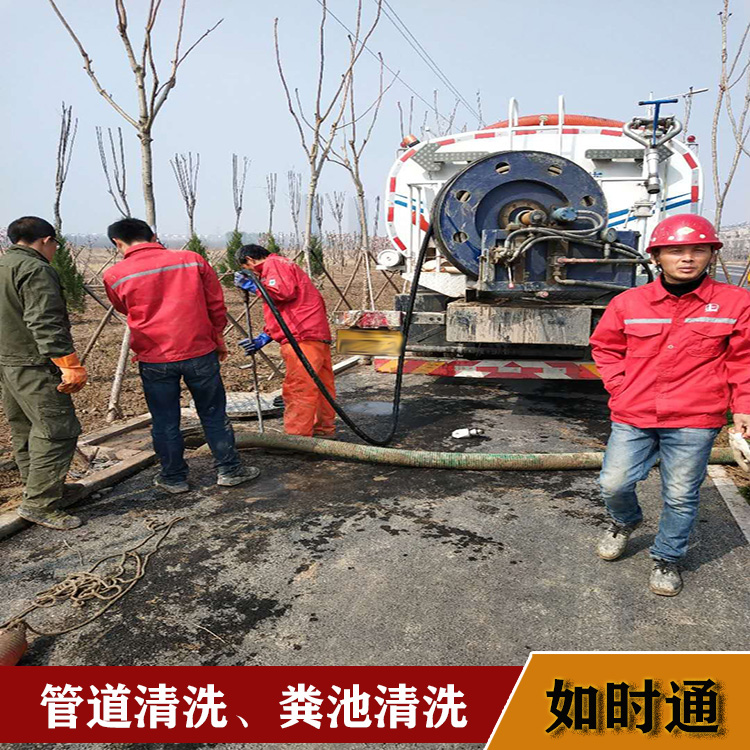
401	357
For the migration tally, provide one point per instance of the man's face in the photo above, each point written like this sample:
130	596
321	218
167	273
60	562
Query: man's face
49	246
683	263
251	264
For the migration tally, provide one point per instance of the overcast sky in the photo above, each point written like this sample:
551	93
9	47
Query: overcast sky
602	55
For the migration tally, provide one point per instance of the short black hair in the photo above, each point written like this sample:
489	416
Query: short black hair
130	231
254	252
30	229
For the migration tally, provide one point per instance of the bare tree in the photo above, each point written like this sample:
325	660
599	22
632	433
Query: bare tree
238	187
376	217
318	130
271	179
448	125
64	152
408	129
186	173
151	92
337	205
727	81
119	174
294	181
319	214
349	156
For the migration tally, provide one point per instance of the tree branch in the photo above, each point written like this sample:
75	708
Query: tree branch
289	102
87	66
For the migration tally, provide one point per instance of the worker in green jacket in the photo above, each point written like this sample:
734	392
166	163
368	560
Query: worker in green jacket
39	369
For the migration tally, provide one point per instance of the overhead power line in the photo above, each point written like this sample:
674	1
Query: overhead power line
414	43
395	74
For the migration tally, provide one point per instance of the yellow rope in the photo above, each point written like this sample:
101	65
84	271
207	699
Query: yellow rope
79	588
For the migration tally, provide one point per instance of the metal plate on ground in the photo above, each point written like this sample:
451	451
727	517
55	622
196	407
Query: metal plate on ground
242	405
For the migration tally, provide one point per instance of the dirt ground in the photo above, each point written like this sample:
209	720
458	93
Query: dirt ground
91	403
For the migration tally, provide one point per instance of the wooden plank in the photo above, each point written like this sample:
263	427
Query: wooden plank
107	477
11	522
101	436
346	364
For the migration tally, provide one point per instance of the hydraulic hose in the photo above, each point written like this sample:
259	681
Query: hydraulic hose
439	459
401	357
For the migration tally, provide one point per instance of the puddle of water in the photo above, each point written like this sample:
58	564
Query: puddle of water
371	408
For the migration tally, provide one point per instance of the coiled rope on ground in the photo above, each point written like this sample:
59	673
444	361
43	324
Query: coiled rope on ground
81	587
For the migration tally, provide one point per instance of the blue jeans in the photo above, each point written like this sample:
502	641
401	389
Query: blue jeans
161	386
631	453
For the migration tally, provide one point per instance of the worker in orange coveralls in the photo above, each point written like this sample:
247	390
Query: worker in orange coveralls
306	411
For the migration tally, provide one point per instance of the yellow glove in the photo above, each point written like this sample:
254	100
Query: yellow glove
74	375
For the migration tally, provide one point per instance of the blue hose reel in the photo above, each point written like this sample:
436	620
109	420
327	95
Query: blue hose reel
529	222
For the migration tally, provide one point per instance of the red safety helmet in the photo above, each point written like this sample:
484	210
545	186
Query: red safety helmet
684	229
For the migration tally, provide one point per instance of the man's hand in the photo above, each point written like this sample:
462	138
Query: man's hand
221	349
74	374
243	281
742	424
253	345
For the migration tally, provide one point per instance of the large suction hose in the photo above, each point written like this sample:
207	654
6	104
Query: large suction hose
439	459
402	354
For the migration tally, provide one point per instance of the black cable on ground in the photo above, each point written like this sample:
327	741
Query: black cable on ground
401	357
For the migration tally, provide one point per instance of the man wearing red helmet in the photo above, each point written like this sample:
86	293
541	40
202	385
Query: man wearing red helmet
674	355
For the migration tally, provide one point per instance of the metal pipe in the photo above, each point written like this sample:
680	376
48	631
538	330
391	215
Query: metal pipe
563	261
249	324
595	284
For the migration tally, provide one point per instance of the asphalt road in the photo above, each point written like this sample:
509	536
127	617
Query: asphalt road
339	563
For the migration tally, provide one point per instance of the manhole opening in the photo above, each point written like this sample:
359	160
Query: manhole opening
460	237
587	200
555	170
502	168
463	195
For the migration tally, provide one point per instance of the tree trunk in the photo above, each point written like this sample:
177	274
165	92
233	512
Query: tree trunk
58	218
309	208
147	175
368	296
113	409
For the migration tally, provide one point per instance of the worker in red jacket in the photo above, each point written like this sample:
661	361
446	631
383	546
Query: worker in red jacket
176	315
674	355
306	411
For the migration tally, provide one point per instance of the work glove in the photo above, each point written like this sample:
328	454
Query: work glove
221	348
253	345
243	281
74	375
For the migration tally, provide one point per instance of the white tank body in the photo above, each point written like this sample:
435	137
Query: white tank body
411	188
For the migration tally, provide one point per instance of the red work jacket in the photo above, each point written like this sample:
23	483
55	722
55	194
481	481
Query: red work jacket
173	300
299	302
672	361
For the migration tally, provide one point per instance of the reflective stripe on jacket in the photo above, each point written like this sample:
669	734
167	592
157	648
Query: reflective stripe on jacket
299	302
672	361
173	300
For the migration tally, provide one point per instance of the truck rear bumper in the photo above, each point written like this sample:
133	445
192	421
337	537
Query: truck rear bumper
517	369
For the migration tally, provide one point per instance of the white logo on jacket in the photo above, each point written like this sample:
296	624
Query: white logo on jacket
712	307
272	282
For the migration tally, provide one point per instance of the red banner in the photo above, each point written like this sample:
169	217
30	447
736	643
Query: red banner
253	704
